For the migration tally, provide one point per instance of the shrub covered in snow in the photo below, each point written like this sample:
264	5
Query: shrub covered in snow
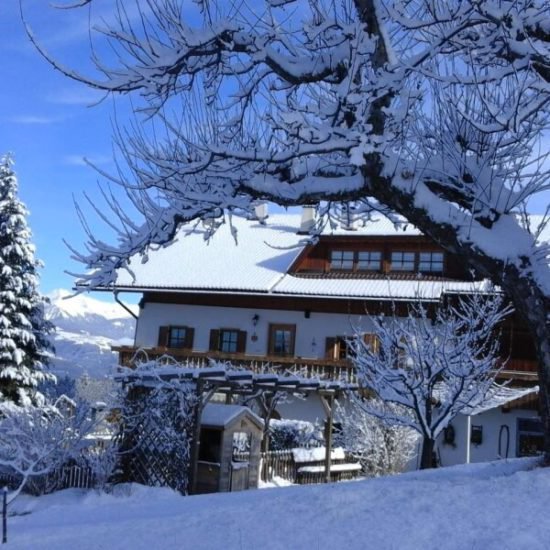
37	443
379	447
289	434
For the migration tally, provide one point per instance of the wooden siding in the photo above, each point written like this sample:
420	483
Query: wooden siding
347	306
315	259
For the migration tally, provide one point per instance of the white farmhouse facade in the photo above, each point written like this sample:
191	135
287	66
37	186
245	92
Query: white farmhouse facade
263	293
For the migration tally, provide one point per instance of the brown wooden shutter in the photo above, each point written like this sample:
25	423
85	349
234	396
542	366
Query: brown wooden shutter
372	341
330	348
164	332
241	341
189	336
214	340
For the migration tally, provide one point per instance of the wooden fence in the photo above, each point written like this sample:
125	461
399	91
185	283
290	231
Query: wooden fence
278	464
282	464
67	477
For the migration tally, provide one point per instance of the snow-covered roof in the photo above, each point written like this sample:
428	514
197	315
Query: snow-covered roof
254	260
374	288
250	257
498	396
220	416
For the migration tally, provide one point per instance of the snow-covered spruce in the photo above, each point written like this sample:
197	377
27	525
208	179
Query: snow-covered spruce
425	369
23	330
435	110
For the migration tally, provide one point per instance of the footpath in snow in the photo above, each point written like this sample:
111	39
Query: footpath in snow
495	506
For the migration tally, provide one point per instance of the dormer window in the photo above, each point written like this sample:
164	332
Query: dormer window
369	261
402	261
431	262
341	259
355	260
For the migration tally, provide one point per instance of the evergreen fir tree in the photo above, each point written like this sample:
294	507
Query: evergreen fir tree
23	329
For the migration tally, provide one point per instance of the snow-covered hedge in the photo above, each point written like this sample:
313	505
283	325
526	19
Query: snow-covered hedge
289	434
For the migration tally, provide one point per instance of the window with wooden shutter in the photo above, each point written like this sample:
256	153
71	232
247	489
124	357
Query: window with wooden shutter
337	347
177	337
163	336
189	337
241	342
372	341
330	347
228	340
214	344
281	340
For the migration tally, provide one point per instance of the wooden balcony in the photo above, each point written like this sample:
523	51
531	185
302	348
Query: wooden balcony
331	369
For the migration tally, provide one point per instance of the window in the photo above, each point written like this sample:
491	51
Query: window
341	259
431	262
176	337
402	261
228	340
337	348
530	437
369	261
372	341
281	340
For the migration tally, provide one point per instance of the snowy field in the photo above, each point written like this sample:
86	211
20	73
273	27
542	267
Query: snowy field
496	506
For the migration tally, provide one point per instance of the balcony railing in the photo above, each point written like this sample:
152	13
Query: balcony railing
331	369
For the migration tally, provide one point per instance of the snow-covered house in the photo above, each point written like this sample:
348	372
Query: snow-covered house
260	291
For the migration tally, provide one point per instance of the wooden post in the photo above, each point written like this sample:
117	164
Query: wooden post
5	516
195	442
329	409
468	437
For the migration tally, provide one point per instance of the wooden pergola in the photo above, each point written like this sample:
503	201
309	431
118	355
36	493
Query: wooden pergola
229	381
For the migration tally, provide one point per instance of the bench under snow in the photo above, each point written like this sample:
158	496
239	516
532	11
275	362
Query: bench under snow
317	454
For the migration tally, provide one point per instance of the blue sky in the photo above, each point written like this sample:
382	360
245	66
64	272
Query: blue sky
48	124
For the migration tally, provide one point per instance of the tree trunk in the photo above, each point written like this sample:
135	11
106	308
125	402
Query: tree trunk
427	458
534	307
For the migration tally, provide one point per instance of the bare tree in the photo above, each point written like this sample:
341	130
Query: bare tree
36	442
434	110
430	367
381	448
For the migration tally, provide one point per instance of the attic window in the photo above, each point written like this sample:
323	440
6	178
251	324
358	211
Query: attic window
369	261
341	259
431	261
402	261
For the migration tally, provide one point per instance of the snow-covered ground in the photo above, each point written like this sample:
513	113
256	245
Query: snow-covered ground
86	330
494	506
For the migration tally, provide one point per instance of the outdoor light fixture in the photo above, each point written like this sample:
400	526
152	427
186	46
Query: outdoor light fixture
255	319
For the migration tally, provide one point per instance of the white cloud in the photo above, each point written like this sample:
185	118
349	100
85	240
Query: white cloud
33	119
75	96
85	160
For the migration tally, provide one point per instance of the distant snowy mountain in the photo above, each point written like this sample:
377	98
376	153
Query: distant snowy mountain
86	330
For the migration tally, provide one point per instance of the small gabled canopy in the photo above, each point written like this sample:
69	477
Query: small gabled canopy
499	396
216	415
